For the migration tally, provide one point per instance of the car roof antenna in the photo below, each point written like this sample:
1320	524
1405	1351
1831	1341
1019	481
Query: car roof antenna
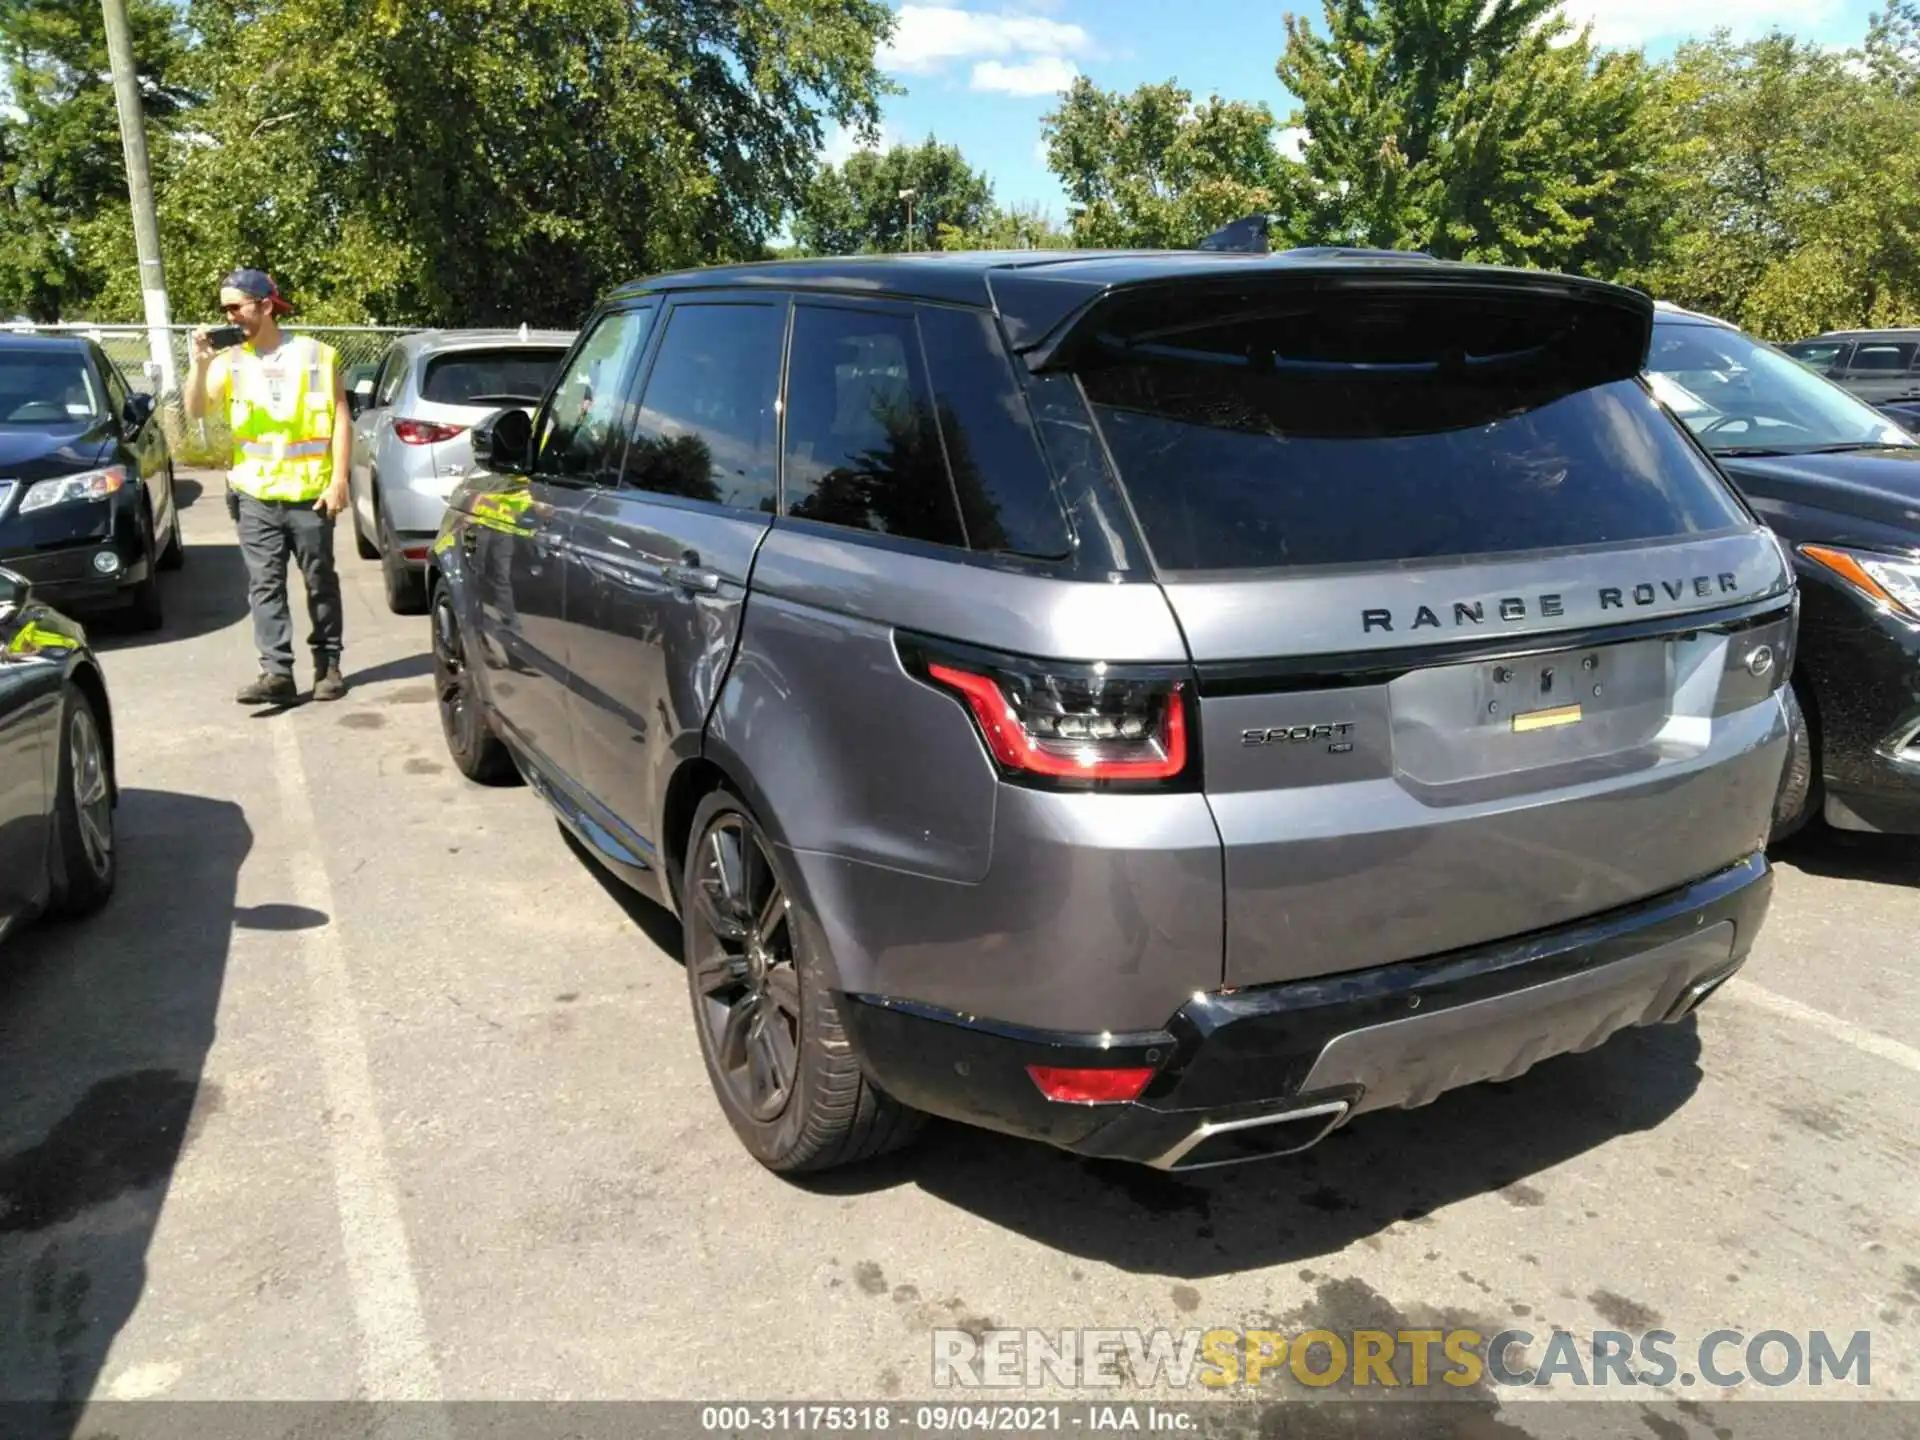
1248	234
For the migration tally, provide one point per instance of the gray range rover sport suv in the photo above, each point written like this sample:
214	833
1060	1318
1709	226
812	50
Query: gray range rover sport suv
1162	704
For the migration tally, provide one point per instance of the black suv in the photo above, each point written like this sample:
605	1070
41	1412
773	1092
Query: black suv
87	510
1841	484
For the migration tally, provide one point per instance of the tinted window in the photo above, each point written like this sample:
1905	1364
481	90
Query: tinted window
1816	356
1372	436
1881	359
117	393
488	377
706	424
588	405
999	473
47	387
863	446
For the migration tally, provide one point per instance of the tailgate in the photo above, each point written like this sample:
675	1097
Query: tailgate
1484	643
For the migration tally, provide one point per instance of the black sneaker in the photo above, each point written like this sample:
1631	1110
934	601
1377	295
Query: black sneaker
269	690
330	684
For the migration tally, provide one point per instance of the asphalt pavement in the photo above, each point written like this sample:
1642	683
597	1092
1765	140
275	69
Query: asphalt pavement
369	1085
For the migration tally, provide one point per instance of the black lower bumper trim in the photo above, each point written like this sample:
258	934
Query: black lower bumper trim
1272	1069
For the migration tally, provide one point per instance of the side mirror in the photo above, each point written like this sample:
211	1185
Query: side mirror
139	410
503	442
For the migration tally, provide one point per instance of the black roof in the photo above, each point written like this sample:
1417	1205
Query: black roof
17	340
1035	291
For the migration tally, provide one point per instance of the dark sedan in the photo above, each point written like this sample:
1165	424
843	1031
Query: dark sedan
58	790
1840	484
87	507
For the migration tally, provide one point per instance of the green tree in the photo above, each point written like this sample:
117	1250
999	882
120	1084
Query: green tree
1474	131
856	207
1152	169
62	169
1795	187
1020	227
502	160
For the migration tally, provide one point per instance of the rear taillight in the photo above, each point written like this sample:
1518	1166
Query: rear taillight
424	432
1080	726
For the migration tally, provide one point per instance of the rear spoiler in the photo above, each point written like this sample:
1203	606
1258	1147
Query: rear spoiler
1600	329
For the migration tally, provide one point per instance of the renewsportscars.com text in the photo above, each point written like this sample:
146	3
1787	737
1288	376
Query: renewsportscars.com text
1214	1359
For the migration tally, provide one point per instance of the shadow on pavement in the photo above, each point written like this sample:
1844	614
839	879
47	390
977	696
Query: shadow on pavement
413	667
1852	855
105	1026
209	594
1393	1166
654	922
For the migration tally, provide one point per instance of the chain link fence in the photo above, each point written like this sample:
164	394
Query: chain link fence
206	442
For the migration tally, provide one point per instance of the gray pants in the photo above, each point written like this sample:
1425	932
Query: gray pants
270	531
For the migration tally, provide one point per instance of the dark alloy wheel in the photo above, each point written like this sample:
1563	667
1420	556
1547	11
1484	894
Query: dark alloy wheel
775	1049
83	818
744	970
477	752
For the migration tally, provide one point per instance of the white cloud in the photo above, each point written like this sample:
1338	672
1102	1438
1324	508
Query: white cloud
1040	154
930	37
1042	75
1293	142
1633	22
843	143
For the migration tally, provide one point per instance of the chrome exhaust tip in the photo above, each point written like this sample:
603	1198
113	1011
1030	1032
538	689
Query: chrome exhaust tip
1254	1137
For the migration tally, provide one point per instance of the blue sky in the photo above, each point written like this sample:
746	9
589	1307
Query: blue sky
982	73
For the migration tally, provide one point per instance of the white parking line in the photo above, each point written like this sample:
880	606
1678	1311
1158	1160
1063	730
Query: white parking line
1846	1031
396	1361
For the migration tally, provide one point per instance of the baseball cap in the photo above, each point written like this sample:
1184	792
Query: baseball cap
256	285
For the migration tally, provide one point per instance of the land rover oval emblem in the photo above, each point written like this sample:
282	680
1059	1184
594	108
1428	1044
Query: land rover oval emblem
1760	660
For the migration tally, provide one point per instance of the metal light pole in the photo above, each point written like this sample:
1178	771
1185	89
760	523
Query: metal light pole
146	227
908	196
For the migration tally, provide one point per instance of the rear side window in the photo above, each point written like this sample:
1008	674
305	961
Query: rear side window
863	445
705	429
488	377
1367	436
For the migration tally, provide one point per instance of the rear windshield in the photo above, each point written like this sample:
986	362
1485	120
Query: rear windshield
488	377
1240	455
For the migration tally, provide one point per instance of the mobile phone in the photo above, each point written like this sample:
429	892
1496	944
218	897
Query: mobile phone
223	337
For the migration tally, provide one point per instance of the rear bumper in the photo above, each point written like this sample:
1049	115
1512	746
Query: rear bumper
1272	1069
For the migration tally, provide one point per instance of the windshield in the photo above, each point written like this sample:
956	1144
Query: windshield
1740	396
41	388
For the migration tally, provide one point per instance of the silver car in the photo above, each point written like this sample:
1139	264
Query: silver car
410	436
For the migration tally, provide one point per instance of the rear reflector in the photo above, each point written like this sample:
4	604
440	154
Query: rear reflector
1104	1085
415	552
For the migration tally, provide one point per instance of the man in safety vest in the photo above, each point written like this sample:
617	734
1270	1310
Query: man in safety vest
286	405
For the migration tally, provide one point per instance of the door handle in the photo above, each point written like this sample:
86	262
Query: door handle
693	577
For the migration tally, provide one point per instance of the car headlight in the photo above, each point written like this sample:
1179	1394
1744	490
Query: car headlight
88	485
1887	580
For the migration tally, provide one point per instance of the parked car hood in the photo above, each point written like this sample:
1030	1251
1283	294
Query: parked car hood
1879	486
41	452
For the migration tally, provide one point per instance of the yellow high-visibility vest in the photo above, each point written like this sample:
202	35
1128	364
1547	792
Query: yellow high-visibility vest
282	428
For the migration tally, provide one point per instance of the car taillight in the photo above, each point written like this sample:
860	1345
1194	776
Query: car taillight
1082	1085
424	432
1081	726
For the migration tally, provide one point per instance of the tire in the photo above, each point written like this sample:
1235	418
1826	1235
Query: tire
1795	802
477	752
365	548
148	611
406	589
83	831
813	1108
175	555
